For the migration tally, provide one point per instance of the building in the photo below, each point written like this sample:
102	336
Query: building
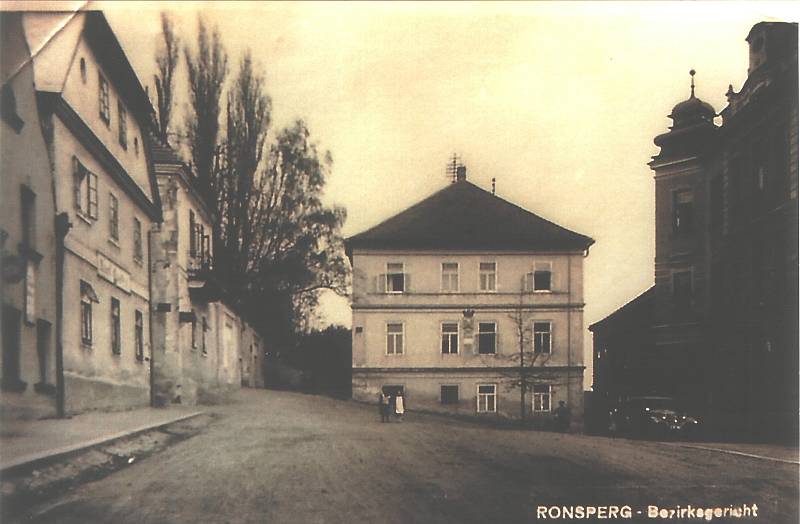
753	321
202	348
724	307
449	293
624	361
27	239
94	116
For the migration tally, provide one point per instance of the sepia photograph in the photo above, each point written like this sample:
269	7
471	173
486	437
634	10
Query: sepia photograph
399	262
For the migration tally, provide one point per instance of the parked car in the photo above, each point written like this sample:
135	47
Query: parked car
653	417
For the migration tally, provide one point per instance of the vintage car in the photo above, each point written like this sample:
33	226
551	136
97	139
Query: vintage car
653	417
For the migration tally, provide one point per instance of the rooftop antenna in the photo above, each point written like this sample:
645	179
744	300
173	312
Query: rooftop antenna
692	72
451	169
494	185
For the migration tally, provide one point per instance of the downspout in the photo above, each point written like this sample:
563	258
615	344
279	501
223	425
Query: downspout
62	227
150	314
569	326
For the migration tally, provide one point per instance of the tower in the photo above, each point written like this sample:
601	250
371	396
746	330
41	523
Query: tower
682	168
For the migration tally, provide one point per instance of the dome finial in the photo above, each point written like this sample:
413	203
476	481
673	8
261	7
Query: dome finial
692	73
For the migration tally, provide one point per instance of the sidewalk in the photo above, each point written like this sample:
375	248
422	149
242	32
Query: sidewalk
24	442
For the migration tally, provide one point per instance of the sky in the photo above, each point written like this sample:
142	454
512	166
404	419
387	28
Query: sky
559	102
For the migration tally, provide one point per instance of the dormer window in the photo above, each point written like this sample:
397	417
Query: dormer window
104	97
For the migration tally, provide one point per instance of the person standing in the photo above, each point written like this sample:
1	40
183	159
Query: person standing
399	406
383	404
562	417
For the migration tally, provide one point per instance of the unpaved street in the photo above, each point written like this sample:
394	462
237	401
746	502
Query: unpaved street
285	457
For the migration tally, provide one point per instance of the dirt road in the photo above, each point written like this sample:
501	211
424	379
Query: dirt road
283	457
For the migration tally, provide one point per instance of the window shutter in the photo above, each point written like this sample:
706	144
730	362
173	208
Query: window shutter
406	282
529	282
92	195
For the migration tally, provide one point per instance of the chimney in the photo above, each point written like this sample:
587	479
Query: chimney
461	173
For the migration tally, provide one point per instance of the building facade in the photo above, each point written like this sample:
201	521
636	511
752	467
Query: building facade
27	239
203	348
463	300
94	115
753	320
724	320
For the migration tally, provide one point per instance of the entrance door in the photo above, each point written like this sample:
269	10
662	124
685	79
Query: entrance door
11	350
392	390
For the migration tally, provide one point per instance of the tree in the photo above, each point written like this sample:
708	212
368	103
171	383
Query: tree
207	69
297	248
276	245
526	371
166	63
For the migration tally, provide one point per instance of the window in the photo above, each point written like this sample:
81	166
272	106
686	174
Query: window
450	276
487	338
541	398
194	330
759	163
488	276
122	121
113	216
105	106
84	189
138	252
83	70
136	145
88	296
394	338
192	234
395	278
542	276
682	211
8	109
116	344
449	338
717	206
682	288
449	394
487	398
28	217
542	337
203	346
139	335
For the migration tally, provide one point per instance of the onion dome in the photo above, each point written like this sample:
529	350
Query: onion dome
692	110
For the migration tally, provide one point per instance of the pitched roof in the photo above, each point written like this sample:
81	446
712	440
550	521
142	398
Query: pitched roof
464	216
629	312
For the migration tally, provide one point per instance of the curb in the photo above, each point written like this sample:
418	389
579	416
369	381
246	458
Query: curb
739	453
39	459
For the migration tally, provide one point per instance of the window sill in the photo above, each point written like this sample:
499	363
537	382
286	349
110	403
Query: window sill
542	291
87	344
204	354
114	243
84	218
138	261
